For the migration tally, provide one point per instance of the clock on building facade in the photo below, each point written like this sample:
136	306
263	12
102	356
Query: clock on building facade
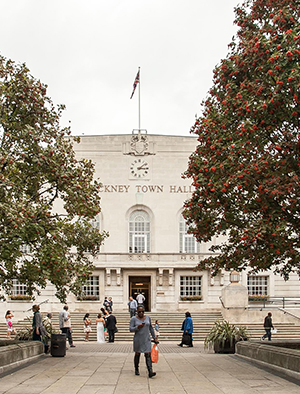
139	169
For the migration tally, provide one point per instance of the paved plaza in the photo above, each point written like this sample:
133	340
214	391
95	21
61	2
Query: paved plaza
93	368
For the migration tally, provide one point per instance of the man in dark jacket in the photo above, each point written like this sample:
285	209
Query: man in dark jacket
268	325
110	324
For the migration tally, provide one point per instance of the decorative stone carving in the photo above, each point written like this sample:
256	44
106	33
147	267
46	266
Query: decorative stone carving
160	276
171	272
108	277
139	144
118	270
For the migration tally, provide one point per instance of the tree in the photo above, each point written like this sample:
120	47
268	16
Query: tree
245	169
38	174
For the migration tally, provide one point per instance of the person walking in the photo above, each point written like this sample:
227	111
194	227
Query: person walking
187	328
140	298
142	328
106	304
268	325
65	324
10	328
156	328
111	322
87	326
100	328
110	302
132	305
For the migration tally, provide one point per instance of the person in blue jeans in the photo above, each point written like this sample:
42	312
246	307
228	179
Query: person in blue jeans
187	328
268	325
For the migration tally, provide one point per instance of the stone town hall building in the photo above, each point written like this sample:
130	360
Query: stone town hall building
148	249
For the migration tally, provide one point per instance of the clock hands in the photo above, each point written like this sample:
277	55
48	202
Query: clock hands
142	167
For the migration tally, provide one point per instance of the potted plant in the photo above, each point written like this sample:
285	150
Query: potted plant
88	298
224	335
191	298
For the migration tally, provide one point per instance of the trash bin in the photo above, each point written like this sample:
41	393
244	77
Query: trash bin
58	345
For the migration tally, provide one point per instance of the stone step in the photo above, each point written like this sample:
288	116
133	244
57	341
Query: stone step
170	326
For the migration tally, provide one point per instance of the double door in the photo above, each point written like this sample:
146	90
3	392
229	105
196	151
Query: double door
142	285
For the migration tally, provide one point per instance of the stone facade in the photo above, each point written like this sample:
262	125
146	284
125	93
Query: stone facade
148	250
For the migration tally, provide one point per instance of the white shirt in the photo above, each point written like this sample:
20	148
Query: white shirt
140	298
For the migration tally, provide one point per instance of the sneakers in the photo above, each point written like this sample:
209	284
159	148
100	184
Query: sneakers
262	338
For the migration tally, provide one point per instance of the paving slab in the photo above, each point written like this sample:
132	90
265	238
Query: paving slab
96	369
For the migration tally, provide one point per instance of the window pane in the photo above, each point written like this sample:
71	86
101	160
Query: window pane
18	288
190	286
139	232
257	285
187	242
92	286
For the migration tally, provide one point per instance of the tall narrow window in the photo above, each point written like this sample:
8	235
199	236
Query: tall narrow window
187	242
139	232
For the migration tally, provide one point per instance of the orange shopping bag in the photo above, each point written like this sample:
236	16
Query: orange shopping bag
154	353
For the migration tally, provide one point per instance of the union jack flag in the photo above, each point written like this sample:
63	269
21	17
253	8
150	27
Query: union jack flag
136	81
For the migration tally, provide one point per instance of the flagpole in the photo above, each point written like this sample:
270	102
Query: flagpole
140	102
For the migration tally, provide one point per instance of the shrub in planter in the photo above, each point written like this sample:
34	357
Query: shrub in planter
191	298
224	335
88	298
20	297
25	333
258	298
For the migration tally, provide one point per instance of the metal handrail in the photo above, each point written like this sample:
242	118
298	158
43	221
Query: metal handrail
270	302
289	313
283	302
43	302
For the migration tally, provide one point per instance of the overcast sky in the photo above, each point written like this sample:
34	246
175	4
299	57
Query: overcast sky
88	53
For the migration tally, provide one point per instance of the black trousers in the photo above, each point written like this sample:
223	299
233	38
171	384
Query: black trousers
111	335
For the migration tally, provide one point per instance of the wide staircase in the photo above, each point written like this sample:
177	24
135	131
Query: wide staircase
169	323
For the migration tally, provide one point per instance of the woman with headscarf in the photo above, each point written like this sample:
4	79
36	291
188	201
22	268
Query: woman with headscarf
187	328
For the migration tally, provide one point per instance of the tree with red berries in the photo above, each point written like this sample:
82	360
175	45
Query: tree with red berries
245	169
48	199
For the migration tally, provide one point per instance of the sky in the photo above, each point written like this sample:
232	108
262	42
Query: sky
88	53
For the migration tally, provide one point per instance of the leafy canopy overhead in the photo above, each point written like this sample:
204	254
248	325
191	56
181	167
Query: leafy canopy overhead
246	167
39	177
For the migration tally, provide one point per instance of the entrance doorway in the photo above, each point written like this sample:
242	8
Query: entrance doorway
141	284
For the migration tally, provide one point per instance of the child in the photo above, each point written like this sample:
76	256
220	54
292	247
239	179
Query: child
156	328
10	329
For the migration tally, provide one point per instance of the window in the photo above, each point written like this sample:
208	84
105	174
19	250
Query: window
190	286
25	248
257	285
91	289
187	242
95	222
139	232
18	288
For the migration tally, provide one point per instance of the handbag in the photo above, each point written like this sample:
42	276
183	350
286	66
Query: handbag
154	353
67	323
115	330
186	339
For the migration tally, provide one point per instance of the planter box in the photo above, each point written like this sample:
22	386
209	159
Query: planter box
226	349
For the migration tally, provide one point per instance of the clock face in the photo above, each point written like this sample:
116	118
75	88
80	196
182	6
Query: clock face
139	168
